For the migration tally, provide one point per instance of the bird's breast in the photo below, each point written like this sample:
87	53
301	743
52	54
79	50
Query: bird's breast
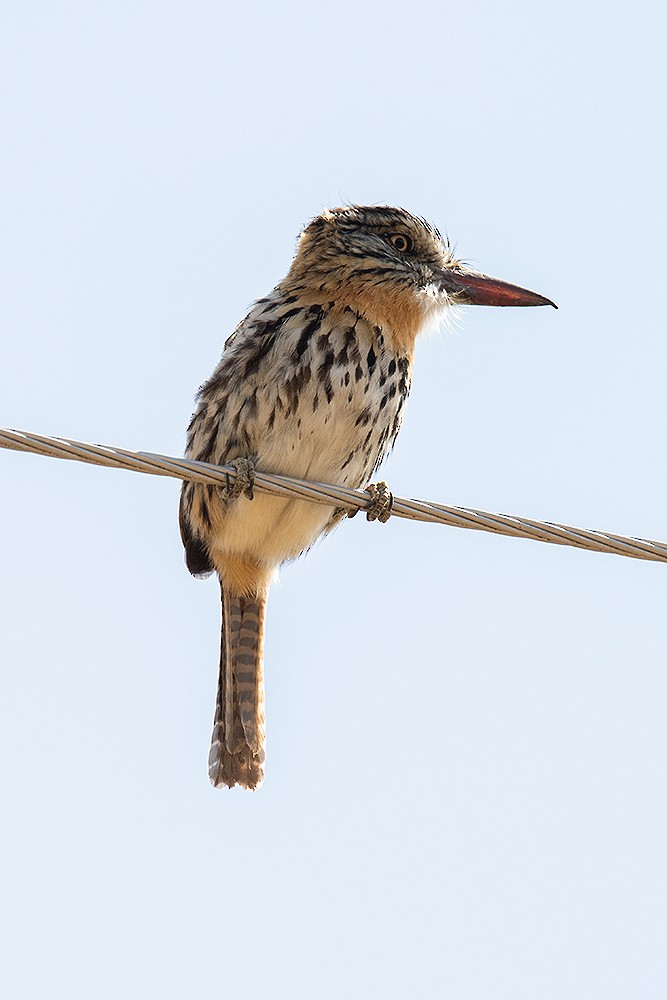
316	396
335	403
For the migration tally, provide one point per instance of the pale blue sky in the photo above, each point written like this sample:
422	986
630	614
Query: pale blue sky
502	836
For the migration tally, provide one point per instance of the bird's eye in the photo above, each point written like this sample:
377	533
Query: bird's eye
402	243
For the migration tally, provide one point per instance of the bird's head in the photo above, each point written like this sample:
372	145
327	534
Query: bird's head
394	268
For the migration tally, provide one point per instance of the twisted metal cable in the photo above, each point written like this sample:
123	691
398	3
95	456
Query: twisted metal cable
338	496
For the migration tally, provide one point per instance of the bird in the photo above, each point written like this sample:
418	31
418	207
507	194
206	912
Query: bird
311	384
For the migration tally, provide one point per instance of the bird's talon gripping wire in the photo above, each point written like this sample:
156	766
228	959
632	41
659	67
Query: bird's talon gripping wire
244	480
381	503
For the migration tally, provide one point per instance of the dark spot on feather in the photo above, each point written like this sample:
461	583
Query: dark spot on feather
288	314
354	352
309	329
255	359
251	405
326	365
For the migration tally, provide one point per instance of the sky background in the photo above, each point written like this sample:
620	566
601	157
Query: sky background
504	838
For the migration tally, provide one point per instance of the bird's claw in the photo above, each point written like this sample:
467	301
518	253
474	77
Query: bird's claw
381	503
244	479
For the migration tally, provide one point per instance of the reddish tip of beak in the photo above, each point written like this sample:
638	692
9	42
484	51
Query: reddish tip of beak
471	288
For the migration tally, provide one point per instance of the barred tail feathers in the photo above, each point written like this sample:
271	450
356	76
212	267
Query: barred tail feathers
238	742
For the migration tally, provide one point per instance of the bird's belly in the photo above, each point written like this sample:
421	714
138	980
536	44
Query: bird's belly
270	530
336	444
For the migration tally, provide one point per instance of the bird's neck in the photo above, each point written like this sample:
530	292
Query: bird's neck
396	311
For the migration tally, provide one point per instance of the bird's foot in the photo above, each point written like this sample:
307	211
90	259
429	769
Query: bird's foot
381	503
244	479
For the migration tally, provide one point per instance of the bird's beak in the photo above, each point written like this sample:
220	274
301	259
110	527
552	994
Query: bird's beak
471	288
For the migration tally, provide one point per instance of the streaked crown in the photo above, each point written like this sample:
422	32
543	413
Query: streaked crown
377	243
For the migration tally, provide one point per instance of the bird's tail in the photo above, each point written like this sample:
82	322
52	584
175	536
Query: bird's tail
237	745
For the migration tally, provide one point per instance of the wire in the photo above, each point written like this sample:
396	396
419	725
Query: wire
338	496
